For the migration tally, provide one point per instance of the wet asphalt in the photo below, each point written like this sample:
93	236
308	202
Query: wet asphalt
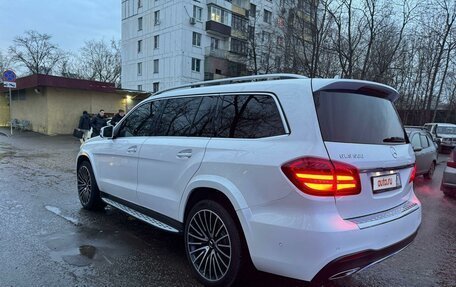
46	239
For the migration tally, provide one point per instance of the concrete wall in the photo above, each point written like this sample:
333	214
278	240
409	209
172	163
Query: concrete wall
4	110
33	107
66	106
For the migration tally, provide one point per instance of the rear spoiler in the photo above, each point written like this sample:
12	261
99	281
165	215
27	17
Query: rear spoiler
365	87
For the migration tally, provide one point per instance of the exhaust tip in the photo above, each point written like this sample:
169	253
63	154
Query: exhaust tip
344	273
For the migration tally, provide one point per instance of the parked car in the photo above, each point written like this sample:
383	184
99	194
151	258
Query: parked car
310	178
449	176
444	134
425	151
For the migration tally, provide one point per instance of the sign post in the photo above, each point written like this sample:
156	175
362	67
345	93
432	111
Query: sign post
9	81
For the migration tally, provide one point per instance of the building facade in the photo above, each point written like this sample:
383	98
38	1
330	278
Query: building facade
166	43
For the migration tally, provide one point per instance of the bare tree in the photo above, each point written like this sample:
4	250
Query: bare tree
4	62
100	61
36	52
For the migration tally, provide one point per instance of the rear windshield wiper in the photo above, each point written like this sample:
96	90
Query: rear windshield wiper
394	140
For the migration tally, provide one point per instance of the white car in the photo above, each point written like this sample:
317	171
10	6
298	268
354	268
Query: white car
444	134
310	178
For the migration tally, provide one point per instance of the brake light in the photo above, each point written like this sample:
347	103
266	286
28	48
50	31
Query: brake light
322	177
452	161
413	174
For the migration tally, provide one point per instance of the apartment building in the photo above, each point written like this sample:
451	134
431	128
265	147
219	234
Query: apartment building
278	30
173	42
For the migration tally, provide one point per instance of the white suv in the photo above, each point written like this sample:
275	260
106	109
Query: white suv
307	178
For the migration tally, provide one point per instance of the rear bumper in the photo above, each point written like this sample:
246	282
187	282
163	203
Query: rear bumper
296	239
350	264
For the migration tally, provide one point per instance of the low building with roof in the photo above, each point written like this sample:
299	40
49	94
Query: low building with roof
52	105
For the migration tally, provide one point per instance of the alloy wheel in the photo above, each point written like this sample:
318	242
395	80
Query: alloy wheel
84	185
209	245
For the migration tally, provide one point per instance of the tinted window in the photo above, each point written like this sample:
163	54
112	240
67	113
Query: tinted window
178	116
356	118
140	122
416	142
202	124
424	141
249	116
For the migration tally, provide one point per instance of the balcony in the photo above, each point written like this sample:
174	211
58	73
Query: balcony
218	53
218	28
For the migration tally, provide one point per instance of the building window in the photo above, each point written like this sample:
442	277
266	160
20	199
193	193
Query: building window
267	16
197	13
196	65
140	23
217	14
239	24
157	17
140	46
155	87
278	62
238	46
252	10
139	4
139	87
196	41
214	43
156	41
139	69
251	32
156	66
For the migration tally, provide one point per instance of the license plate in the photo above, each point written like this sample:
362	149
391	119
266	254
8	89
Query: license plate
386	183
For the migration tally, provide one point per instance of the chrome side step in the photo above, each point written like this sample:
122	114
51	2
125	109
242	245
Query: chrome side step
140	216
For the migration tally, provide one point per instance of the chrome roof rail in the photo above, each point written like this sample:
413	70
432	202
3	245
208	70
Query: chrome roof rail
254	78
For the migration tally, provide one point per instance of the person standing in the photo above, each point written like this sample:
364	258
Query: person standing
84	125
97	123
117	117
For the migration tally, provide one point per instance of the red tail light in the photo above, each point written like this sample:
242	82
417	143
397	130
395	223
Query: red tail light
452	161
413	174
322	177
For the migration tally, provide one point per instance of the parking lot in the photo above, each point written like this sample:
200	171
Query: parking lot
48	240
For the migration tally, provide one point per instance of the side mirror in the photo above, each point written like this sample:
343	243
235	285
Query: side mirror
417	149
107	132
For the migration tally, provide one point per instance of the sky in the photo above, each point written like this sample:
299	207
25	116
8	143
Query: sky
69	22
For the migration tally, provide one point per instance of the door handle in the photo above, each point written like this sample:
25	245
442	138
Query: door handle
132	149
184	154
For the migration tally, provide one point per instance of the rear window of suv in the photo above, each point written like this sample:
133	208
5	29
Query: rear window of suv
356	118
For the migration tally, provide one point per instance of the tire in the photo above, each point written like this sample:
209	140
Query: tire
213	244
88	192
430	173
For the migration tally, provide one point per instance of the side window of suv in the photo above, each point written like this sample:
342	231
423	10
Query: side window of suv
141	121
249	116
189	116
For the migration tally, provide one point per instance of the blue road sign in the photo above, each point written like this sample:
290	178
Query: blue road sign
9	76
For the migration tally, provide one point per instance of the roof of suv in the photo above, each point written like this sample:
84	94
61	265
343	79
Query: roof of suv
262	83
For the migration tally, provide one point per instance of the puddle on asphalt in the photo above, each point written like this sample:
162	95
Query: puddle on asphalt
88	246
7	151
85	257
